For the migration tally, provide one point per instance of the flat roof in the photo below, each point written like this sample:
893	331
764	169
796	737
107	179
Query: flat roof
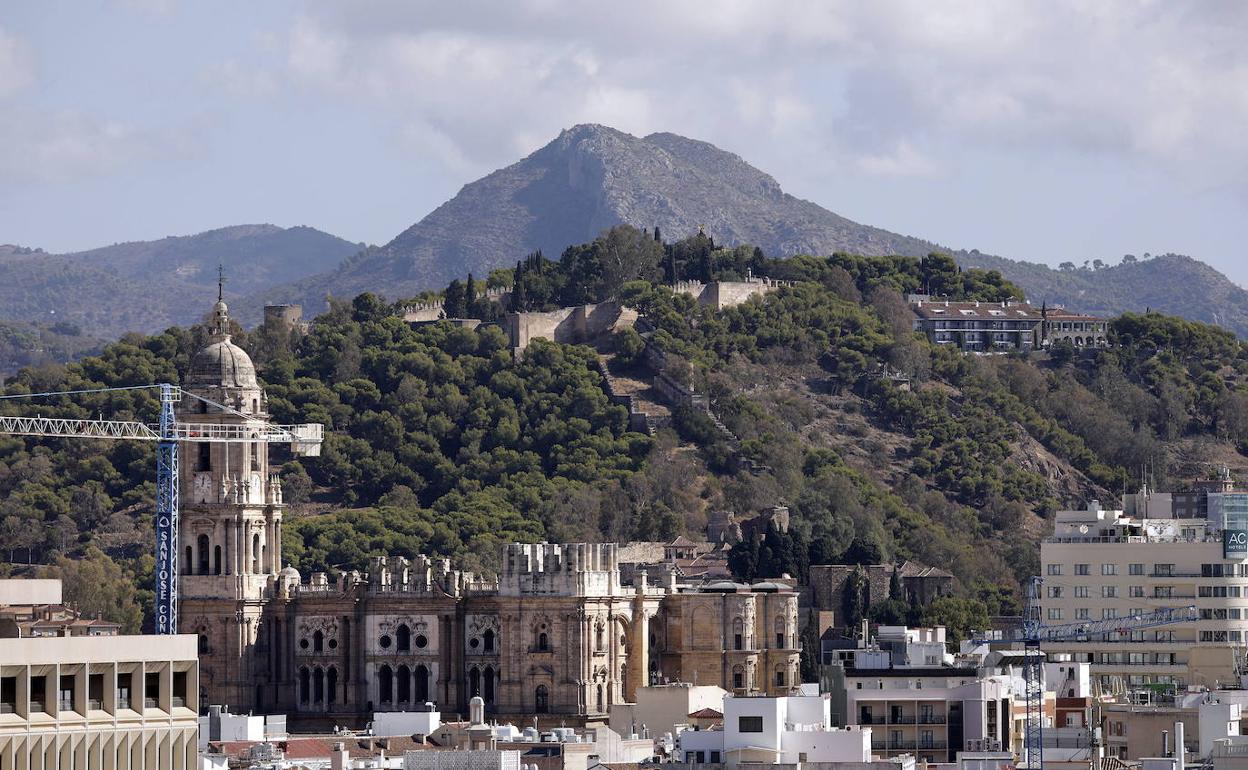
27	591
46	650
907	672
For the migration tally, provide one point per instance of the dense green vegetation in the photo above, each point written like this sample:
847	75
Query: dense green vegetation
439	442
26	344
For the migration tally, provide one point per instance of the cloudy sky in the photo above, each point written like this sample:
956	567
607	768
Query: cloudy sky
1046	131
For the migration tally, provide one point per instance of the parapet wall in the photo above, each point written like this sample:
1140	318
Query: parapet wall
425	312
575	569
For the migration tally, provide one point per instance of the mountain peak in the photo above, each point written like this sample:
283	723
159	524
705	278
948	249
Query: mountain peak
587	179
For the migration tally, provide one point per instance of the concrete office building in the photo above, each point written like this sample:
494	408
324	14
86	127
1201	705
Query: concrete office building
80	701
1101	564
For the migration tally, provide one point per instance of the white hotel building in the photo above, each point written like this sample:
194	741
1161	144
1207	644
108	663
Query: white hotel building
1163	550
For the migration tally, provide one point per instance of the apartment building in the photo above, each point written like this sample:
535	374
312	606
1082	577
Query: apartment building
1009	325
921	700
1104	564
83	700
977	326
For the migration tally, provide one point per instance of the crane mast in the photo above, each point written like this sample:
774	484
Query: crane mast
166	571
304	439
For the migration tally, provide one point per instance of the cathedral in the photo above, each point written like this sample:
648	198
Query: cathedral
556	632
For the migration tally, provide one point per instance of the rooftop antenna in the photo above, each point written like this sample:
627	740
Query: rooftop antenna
220	282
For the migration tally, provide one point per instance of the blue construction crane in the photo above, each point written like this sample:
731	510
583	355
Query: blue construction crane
168	433
1033	635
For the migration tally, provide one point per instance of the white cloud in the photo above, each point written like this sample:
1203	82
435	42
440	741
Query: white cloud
41	146
861	85
17	69
240	80
903	160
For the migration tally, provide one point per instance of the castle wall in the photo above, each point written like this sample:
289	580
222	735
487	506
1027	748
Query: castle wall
289	316
567	324
722	294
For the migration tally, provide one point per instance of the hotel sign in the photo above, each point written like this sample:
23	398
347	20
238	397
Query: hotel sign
1235	544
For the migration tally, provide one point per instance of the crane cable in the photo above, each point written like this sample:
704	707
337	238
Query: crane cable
75	392
183	391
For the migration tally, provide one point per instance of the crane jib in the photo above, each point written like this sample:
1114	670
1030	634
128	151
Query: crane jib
304	440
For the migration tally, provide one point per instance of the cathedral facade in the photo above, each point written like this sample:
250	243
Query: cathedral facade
556	632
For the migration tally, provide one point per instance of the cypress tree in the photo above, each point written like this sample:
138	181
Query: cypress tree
470	297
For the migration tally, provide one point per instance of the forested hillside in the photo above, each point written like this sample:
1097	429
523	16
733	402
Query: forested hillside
439	442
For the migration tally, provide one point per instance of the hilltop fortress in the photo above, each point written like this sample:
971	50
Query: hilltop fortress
557	632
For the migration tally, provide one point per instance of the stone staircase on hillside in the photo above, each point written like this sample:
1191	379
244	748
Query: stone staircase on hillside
645	414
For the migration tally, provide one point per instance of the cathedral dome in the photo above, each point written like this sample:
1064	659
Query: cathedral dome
222	364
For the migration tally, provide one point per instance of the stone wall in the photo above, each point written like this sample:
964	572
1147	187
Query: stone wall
567	324
722	294
425	312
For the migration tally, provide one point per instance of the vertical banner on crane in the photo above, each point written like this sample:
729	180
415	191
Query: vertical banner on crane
166	608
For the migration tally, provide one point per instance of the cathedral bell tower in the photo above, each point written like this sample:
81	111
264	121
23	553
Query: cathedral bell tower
231	522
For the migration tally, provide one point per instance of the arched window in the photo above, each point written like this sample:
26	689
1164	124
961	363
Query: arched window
404	637
780	635
487	640
304	678
203	460
255	553
318	685
385	685
216	560
422	684
474	682
331	685
543	642
487	684
541	700
738	678
738	634
780	677
602	698
255	456
318	641
405	684
201	545
203	644
188	562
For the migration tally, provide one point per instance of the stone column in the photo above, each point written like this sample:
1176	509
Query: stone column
276	548
227	543
269	531
639	645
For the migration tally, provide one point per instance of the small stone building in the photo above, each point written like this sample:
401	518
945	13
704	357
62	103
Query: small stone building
920	584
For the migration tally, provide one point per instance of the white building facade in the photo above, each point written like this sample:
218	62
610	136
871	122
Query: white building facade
1103	564
118	702
784	730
